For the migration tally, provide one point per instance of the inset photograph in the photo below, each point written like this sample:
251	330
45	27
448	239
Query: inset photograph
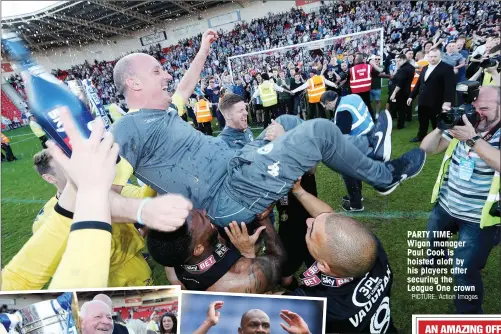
222	313
134	311
38	313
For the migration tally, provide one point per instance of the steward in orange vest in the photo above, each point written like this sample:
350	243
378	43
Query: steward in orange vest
420	63
315	87
204	116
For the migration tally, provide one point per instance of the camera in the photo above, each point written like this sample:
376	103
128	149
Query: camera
469	90
490	62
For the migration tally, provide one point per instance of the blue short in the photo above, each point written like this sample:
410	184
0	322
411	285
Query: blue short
375	95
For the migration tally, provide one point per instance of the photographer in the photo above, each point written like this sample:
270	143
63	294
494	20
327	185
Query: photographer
489	69
467	191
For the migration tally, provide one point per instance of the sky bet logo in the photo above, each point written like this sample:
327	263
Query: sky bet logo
334	282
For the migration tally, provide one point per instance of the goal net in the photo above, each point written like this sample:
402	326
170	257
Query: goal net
305	56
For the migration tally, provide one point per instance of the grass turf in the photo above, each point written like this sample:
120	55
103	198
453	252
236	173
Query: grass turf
390	217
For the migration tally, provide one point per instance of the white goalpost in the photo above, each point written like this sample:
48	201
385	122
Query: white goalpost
303	51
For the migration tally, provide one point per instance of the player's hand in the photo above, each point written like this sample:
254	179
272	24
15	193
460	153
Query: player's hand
274	131
297	186
166	213
409	101
295	324
208	38
241	239
213	314
92	163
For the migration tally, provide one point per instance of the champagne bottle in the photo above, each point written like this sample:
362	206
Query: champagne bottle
47	95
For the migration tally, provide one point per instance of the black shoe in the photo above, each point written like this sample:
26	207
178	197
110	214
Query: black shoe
346	198
347	207
406	167
415	140
380	137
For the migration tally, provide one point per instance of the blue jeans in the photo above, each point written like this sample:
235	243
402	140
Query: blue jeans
478	244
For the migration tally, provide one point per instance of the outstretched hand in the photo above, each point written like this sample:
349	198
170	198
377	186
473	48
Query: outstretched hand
295	323
93	160
213	314
241	239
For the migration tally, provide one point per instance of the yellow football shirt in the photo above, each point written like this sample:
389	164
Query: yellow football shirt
34	265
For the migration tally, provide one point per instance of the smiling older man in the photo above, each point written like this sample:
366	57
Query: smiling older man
96	318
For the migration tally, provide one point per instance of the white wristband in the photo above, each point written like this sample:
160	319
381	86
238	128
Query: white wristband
140	210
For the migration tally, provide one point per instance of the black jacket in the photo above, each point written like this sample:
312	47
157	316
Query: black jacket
403	79
439	88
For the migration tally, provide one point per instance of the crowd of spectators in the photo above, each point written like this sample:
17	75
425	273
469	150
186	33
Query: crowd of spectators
407	25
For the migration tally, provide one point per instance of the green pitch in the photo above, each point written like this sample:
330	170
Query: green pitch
390	217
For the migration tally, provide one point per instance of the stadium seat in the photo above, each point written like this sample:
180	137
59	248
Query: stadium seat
9	110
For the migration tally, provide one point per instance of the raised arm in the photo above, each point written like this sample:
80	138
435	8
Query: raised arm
212	319
192	76
261	274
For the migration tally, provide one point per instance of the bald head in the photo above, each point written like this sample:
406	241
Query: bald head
124	68
351	249
491	92
359	58
105	299
254	321
143	81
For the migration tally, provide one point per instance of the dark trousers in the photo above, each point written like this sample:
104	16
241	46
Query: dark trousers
408	112
316	111
354	188
193	117
366	97
205	128
477	246
427	115
220	120
269	113
400	110
282	108
297	106
43	140
8	152
290	106
292	227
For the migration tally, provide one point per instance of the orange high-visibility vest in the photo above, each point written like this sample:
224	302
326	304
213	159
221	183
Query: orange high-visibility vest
420	64
360	78
202	112
316	87
5	139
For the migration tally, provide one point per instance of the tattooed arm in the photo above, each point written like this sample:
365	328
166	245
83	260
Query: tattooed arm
266	270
